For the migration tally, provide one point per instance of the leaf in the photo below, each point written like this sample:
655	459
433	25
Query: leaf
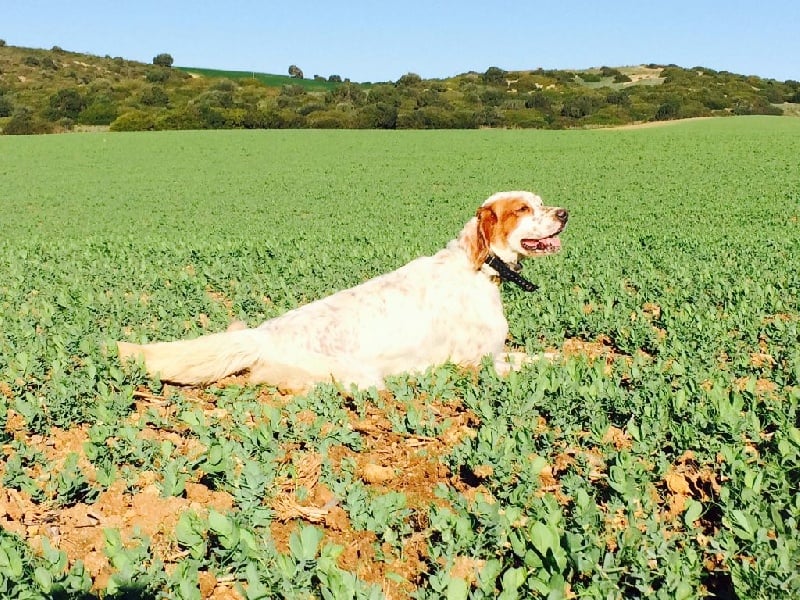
513	579
305	543
219	523
190	534
542	538
457	589
693	511
43	579
488	575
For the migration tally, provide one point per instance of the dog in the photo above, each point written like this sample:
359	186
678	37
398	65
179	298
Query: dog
434	310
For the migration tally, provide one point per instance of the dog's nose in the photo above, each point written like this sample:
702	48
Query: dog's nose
562	215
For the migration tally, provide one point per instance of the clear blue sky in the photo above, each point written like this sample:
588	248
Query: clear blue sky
380	41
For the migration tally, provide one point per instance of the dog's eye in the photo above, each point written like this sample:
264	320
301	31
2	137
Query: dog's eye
524	209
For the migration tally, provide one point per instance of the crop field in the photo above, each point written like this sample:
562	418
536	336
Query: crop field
265	78
657	457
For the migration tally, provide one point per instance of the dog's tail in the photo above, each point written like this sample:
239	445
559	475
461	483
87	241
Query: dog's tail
201	360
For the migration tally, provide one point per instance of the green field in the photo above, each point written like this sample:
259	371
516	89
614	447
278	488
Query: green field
658	457
265	78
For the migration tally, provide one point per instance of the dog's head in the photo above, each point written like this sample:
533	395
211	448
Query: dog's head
513	226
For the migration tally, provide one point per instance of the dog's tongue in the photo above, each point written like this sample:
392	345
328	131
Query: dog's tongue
543	244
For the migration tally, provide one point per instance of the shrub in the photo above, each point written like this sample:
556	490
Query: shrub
311	107
618	98
98	113
580	106
210	117
668	109
347	93
409	119
591	77
134	120
609	72
538	99
436	117
609	116
187	117
465	118
524	119
215	98
285	119
224	85
157	75
293	90
380	115
6	106
64	124
154	96
328	119
714	100
23	122
755	106
233	118
101	85
564	77
773	93
493	96
255	118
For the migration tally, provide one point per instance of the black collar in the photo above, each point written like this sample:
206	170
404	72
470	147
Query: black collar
507	273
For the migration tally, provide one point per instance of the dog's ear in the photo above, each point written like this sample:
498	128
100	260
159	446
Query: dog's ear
478	241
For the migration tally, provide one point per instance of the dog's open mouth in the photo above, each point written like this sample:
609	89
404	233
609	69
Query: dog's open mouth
548	245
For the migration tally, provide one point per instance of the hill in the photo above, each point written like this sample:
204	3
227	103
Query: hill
43	91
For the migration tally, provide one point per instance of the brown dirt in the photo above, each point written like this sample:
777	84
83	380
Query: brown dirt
389	461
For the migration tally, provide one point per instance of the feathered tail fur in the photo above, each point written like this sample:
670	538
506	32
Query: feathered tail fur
277	360
201	360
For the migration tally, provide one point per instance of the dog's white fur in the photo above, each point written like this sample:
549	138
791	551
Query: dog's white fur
435	309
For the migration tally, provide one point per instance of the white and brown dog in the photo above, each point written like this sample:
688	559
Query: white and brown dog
435	309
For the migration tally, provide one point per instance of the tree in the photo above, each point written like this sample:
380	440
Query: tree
295	71
409	80
66	103
163	60
494	76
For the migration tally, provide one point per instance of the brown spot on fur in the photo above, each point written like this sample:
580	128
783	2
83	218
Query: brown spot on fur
495	223
508	212
477	241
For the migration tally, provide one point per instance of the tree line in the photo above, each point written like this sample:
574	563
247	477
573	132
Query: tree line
77	90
